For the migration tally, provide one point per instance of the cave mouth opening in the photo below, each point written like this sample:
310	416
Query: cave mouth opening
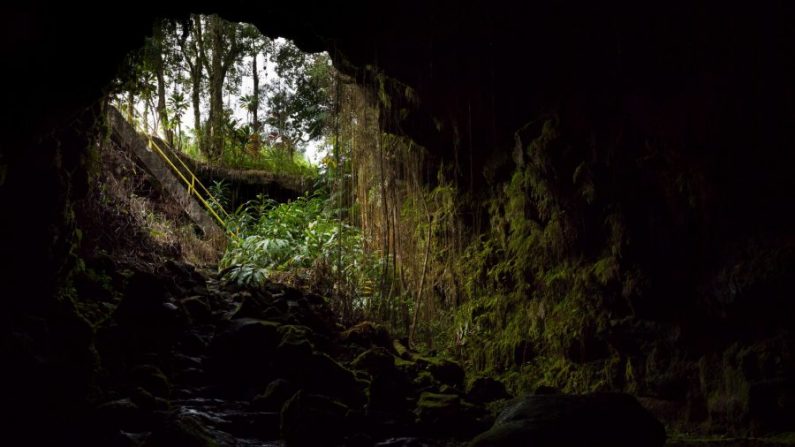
240	152
222	92
633	240
209	117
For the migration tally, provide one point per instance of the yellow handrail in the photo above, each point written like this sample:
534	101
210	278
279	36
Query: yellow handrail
190	184
196	179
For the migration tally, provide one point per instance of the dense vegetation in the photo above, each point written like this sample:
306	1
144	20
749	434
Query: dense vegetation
381	235
225	94
533	279
633	236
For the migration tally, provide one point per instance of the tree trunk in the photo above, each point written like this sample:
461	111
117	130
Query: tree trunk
197	114
161	101
216	72
222	55
158	47
254	116
194	56
130	106
418	299
255	125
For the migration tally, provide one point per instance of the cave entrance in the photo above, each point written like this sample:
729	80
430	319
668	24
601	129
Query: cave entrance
301	161
283	151
326	224
231	99
207	117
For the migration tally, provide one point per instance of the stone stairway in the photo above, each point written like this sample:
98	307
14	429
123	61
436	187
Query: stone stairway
127	137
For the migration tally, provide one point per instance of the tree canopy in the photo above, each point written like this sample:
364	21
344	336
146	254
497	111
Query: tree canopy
211	87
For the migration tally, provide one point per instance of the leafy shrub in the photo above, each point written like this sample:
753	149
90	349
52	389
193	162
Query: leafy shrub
301	237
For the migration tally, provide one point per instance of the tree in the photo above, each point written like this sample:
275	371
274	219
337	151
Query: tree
190	42
255	44
299	97
177	103
217	58
209	57
156	58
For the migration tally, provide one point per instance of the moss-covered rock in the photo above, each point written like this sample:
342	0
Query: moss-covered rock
448	415
148	401
296	333
254	304
152	379
367	334
197	309
389	386
325	375
241	355
375	361
183	430
445	371
485	389
313	420
121	414
558	420
274	396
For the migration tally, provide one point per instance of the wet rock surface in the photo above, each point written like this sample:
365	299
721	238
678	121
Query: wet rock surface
188	360
598	420
185	359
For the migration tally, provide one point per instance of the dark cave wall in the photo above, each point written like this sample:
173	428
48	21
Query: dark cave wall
686	115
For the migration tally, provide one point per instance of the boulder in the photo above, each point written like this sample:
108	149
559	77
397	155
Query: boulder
389	385
771	405
197	309
121	414
296	333
445	371
252	424
486	389
448	415
147	401
367	334
243	353
252	305
192	342
274	396
376	361
561	420
152	379
185	274
313	420
181	429
326	375
144	302
403	442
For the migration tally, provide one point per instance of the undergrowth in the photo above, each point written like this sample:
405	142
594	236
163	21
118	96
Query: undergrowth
535	301
523	301
265	158
128	216
301	242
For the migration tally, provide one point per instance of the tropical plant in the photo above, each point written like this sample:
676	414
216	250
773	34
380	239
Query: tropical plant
301	237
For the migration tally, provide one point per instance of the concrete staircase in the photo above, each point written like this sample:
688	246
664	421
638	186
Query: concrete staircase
123	133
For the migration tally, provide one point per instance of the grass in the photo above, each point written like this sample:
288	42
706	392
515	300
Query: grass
301	241
267	158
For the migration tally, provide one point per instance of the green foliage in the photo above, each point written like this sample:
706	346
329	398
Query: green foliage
300	97
220	191
269	159
533	296
266	158
300	236
200	62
